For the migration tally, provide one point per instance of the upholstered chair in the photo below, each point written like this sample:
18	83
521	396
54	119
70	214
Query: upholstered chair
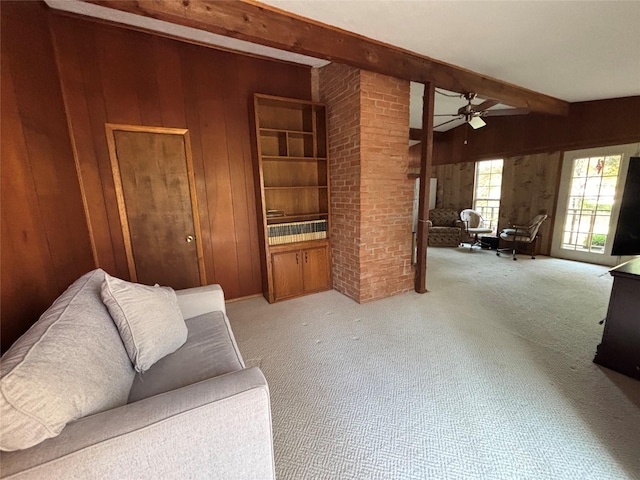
445	228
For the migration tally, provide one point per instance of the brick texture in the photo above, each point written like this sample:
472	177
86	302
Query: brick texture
339	88
371	194
386	190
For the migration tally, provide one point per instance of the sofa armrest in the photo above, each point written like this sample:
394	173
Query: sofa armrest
217	428
200	300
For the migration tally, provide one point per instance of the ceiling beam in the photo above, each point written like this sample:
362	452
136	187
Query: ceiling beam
266	25
415	134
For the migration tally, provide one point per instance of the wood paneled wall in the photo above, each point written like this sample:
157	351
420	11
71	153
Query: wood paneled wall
589	124
529	187
455	185
45	241
110	74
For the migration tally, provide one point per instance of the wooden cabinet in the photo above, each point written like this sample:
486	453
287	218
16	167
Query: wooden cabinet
300	271
293	177
316	270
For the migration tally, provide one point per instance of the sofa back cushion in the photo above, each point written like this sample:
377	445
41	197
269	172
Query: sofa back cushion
71	363
444	217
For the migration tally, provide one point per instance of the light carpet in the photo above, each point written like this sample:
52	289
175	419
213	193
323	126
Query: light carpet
489	375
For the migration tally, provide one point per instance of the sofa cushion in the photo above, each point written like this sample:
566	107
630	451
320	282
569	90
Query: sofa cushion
210	350
71	363
148	318
445	217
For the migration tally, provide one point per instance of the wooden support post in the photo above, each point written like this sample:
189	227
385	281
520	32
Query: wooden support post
426	159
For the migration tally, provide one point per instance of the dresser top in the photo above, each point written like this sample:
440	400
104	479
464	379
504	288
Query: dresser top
630	268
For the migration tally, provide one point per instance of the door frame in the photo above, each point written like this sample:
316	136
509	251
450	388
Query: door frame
568	158
111	128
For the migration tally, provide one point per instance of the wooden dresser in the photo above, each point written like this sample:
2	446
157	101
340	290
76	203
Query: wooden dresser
620	346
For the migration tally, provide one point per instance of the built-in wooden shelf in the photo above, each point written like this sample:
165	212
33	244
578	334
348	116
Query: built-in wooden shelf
293	170
278	131
284	158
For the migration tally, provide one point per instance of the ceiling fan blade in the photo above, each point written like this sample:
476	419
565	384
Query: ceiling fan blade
506	112
487	104
449	121
446	115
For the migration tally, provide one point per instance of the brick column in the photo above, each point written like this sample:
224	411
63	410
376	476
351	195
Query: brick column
386	192
340	90
371	194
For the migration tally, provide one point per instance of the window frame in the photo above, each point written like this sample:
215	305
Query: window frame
494	216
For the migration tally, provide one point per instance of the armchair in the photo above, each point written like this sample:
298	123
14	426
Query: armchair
519	235
445	228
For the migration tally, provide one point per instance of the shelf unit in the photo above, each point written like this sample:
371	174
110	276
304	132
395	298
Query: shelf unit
293	171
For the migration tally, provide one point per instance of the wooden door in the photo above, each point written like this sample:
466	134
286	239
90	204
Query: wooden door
315	269
158	210
287	274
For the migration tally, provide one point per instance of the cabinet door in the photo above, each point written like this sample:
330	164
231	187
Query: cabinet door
315	269
287	274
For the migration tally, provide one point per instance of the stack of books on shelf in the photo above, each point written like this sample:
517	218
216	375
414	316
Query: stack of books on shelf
297	232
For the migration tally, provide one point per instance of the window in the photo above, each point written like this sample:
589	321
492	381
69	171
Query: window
486	196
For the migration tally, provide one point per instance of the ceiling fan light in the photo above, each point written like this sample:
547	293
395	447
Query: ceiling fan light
477	122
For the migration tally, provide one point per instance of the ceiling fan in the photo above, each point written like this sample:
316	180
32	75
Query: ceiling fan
473	114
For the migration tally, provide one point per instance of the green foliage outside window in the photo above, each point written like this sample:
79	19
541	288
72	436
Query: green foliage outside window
597	240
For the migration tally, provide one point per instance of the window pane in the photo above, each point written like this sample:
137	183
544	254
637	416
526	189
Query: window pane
572	218
577	186
581	241
601	225
611	166
589	204
605	204
596	164
592	186
585	224
580	167
609	186
575	203
597	243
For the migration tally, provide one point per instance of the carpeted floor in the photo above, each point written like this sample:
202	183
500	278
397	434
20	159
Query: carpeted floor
489	375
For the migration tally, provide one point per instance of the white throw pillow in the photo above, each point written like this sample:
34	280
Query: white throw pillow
148	318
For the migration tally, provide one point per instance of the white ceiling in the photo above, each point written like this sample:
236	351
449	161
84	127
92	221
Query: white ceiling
572	50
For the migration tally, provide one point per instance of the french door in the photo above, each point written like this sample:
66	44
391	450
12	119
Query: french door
591	187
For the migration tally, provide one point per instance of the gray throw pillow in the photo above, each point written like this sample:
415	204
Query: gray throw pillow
148	318
70	364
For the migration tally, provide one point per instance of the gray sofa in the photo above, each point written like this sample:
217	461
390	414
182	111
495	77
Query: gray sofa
196	413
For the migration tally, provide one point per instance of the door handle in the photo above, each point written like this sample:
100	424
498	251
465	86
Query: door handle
190	238
297	262
306	257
